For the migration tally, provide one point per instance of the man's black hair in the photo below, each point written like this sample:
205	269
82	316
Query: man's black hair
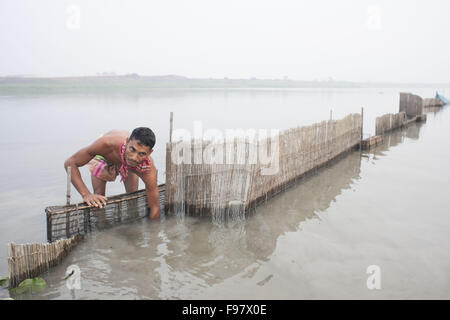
144	135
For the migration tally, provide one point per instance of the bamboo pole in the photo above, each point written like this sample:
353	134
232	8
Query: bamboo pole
11	266
362	125
69	183
171	127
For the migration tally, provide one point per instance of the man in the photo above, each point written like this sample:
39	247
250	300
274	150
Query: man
118	152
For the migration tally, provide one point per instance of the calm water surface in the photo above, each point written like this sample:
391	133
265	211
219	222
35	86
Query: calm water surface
388	207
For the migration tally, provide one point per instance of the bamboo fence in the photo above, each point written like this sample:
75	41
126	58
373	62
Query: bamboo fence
389	122
225	189
411	104
30	260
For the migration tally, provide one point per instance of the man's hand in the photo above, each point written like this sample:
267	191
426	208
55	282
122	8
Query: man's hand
95	200
151	188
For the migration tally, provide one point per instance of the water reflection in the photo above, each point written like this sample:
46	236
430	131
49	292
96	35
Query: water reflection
396	137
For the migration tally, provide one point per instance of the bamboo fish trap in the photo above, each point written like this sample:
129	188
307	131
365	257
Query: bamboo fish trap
63	222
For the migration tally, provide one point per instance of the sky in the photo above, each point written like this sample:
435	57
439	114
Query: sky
393	41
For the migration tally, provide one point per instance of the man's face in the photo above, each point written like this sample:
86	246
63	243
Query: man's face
136	152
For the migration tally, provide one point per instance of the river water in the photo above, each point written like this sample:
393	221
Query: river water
386	209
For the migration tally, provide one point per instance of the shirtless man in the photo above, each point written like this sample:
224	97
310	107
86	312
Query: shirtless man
118	153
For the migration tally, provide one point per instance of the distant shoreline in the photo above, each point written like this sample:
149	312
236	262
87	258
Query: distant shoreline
134	82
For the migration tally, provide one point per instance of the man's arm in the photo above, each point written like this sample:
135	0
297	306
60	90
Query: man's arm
151	187
79	159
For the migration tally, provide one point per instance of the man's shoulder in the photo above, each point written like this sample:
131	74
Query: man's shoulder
151	166
150	171
117	133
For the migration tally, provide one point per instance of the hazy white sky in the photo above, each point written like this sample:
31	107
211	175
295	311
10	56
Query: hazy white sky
396	40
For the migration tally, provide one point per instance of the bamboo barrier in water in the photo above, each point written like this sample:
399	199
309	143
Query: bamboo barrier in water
389	122
432	102
221	188
30	260
411	104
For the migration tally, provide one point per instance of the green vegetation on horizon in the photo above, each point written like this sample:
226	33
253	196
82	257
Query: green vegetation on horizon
133	82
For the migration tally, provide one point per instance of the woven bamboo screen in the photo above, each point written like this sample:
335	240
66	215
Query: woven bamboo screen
389	122
225	188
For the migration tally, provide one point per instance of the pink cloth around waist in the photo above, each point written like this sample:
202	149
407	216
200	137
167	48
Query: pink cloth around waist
102	170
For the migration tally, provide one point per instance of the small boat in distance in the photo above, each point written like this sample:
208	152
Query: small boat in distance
442	98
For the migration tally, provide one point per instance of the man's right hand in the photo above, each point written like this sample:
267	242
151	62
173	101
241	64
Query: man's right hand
95	200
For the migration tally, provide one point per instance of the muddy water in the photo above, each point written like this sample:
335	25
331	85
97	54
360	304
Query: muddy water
388	207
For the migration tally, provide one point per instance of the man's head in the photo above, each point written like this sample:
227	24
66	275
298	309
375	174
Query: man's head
139	146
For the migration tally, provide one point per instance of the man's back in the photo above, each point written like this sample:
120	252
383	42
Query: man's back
110	143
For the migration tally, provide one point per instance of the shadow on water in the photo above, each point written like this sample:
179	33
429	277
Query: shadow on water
179	257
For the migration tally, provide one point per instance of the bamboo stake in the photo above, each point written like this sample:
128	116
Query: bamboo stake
69	183
11	265
362	125
171	127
